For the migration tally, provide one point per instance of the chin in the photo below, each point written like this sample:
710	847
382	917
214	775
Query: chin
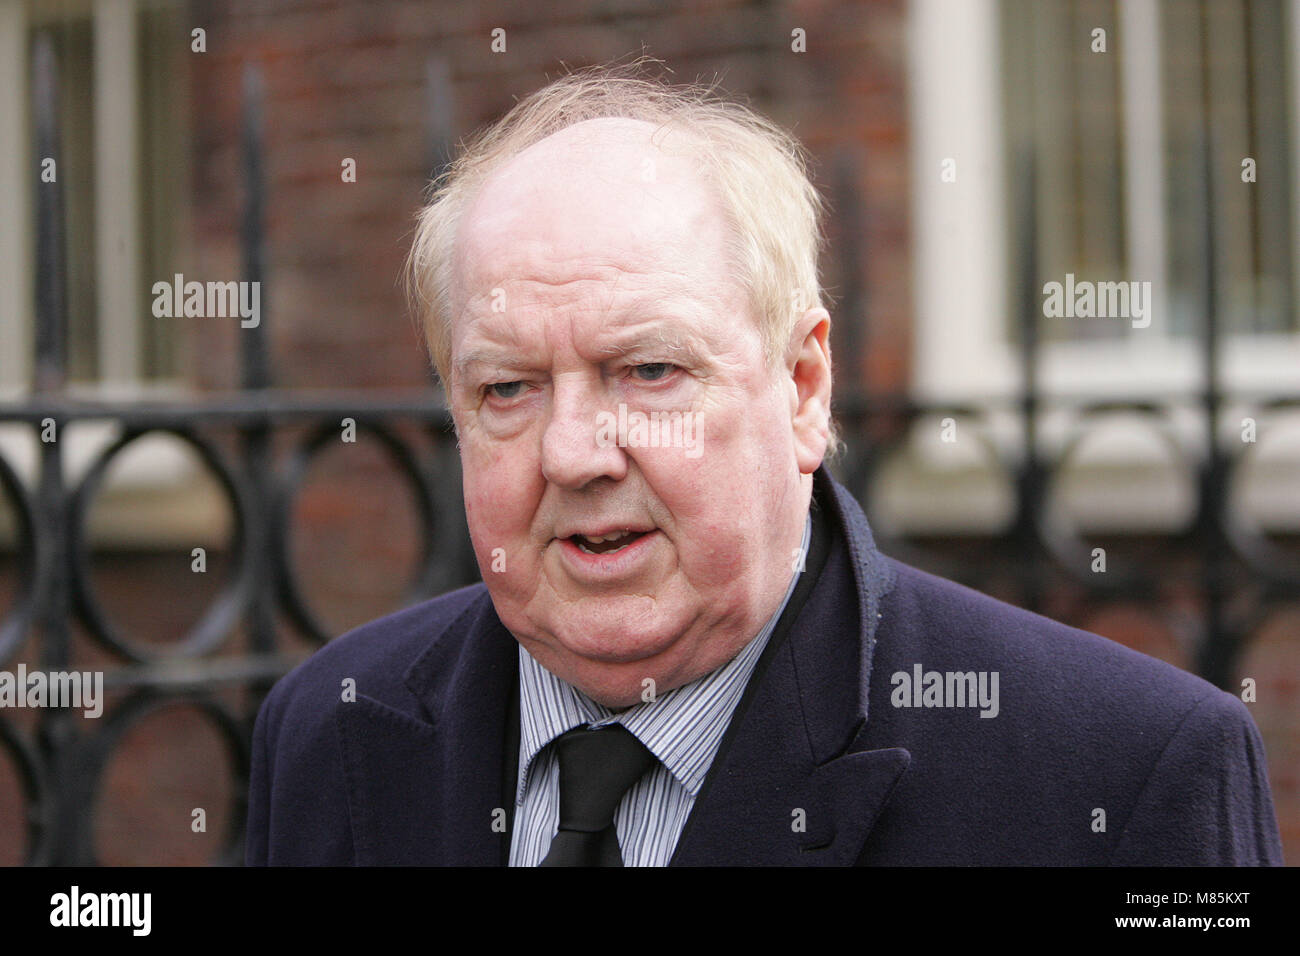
612	631
608	666
603	645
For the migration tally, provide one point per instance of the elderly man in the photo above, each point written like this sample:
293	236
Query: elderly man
686	648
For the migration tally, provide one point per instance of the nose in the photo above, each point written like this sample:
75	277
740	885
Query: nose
576	445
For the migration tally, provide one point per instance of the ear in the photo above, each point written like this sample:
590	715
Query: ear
808	361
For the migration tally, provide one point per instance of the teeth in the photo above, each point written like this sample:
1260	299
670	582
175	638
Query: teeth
608	537
582	541
582	545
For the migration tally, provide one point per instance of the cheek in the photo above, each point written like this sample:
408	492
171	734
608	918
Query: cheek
497	493
743	439
725	503
713	516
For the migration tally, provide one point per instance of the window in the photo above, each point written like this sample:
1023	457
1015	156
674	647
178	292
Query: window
122	170
1119	187
1119	197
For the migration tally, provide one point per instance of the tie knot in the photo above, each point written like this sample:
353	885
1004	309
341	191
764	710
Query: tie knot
597	767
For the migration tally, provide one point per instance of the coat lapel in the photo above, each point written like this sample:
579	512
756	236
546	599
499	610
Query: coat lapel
770	802
794	783
427	790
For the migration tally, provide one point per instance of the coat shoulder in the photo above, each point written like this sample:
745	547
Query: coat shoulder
1053	667
299	812
375	655
1092	752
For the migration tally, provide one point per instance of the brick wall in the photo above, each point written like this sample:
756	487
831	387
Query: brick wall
347	80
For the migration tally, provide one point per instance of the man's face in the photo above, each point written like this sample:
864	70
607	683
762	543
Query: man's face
608	377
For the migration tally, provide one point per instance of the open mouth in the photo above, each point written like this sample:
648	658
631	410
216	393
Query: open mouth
606	544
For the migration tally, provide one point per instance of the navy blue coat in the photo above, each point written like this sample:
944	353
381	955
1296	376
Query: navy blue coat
1097	755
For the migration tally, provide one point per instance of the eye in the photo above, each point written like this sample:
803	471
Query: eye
653	371
505	389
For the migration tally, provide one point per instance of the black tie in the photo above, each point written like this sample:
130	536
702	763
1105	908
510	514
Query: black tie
597	767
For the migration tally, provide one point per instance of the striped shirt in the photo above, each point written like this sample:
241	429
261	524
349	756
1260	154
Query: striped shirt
683	728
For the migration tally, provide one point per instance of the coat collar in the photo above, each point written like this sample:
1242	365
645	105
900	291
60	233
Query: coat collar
792	784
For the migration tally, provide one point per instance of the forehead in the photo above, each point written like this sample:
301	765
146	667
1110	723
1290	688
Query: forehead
602	207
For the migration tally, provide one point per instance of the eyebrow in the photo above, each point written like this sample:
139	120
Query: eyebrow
672	339
622	342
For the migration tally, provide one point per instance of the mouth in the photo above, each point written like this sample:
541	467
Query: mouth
610	556
606	543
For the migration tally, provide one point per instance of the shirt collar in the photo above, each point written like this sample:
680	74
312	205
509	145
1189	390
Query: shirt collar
683	728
